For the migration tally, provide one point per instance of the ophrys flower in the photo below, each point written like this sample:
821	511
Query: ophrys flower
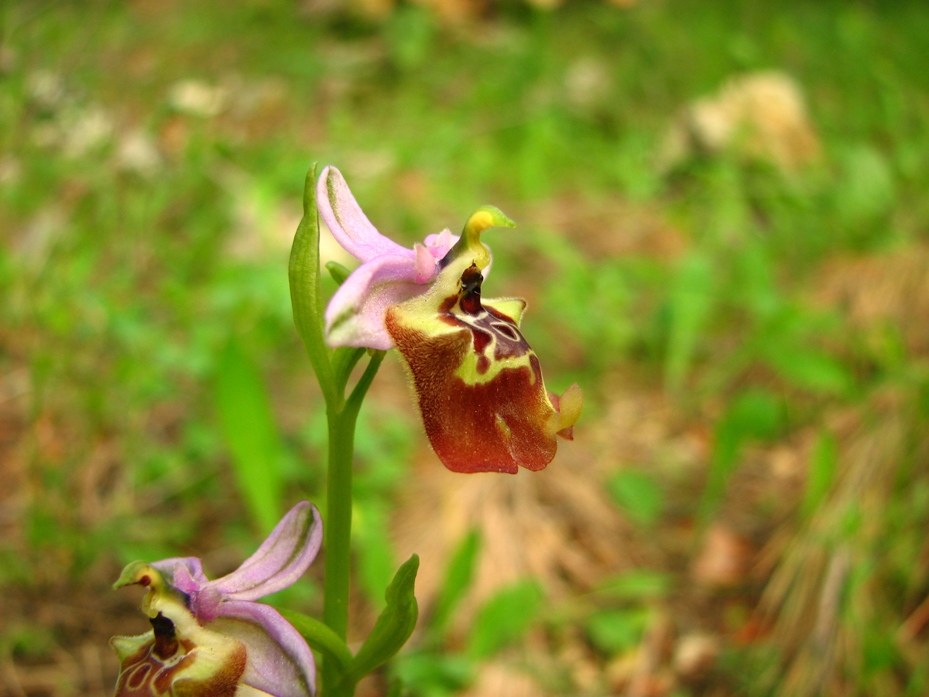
478	383
210	638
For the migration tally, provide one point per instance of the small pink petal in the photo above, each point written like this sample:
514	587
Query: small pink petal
183	581
439	244
425	264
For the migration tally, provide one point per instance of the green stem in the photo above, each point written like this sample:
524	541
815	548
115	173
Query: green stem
344	361
333	370
353	404
338	531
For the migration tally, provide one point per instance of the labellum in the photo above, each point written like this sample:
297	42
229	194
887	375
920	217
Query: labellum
479	384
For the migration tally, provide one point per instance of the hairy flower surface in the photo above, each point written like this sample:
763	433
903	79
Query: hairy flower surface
479	384
209	638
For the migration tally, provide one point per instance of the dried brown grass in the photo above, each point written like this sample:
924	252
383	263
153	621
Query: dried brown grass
882	292
826	588
555	526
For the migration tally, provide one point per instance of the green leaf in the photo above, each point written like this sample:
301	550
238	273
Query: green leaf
812	370
338	272
867	190
505	617
305	295
458	578
409	32
434	674
690	303
638	494
321	638
753	414
618	630
822	472
395	624
251	435
636	586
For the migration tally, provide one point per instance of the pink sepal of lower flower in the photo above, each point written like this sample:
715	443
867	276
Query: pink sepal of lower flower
389	273
210	636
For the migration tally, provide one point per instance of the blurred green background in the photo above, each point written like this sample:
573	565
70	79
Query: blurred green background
723	237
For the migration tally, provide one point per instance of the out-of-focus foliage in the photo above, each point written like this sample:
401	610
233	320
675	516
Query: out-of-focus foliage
749	324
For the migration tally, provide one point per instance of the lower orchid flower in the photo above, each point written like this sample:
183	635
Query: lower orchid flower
209	638
479	384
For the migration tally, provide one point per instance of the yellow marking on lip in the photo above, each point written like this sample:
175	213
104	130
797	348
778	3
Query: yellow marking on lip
467	371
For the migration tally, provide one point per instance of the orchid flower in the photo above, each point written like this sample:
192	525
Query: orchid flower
210	638
479	384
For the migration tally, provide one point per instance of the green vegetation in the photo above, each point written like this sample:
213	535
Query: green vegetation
752	339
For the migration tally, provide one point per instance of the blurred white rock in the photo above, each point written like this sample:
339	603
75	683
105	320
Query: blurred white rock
137	152
45	89
197	98
756	116
84	130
